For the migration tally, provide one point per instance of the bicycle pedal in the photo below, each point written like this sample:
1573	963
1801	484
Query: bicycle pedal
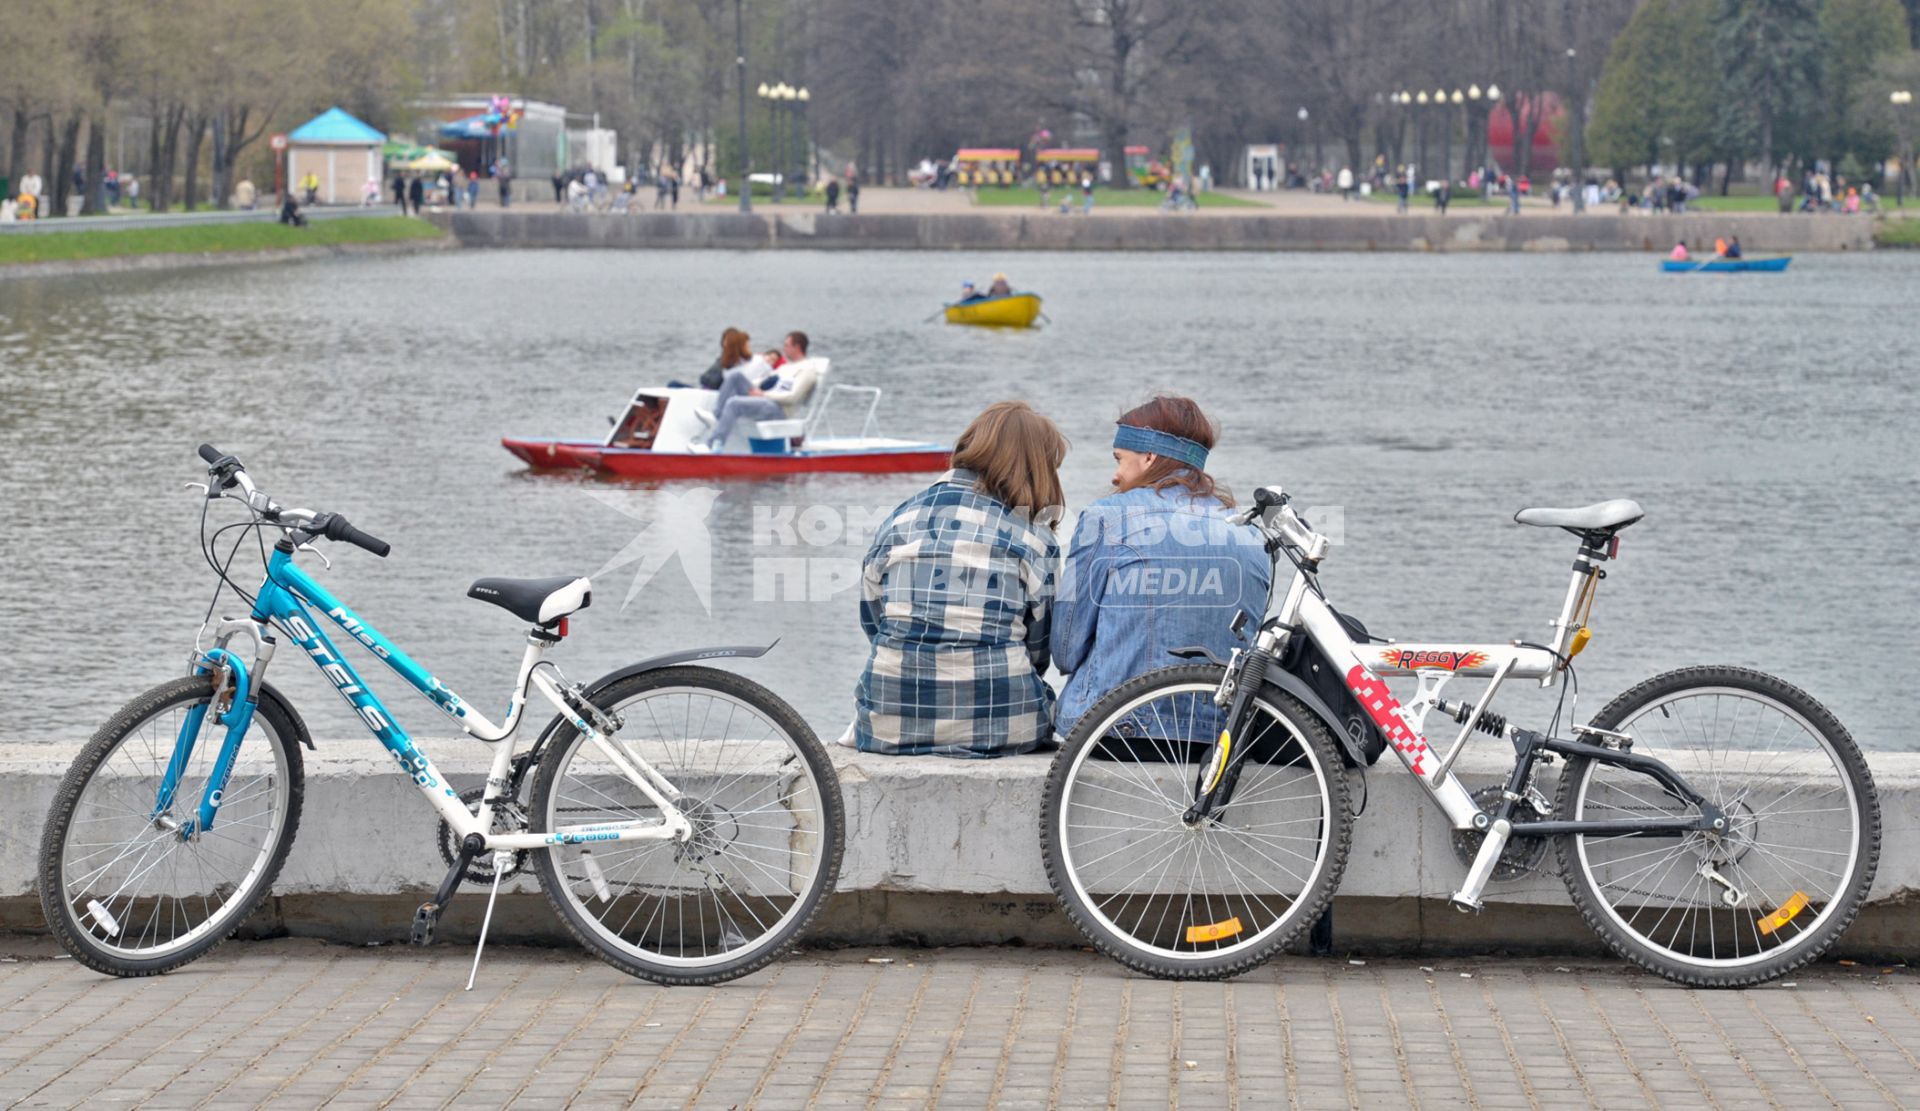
425	920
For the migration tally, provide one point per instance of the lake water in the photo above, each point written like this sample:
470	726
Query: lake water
1764	421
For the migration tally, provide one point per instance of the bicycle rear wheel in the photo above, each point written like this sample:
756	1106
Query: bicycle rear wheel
1785	879
123	892
1214	898
768	830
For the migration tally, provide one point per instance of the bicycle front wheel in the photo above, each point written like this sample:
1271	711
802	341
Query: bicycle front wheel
1202	900
122	890
1779	885
764	803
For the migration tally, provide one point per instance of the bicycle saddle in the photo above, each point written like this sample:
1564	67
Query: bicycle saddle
1606	516
541	601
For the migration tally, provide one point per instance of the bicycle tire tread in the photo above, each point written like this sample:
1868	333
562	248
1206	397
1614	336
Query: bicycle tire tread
67	796
1758	682
832	810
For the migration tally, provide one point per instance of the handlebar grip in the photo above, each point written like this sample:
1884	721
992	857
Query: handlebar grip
211	454
338	528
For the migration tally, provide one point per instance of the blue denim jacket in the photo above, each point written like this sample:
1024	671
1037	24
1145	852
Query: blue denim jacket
1148	572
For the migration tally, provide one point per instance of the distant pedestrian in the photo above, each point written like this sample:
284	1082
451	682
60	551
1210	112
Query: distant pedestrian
416	193
290	211
1402	186
1441	196
559	187
661	187
853	193
833	195
1086	194
473	189
132	186
505	180
1513	196
673	193
400	192
1345	183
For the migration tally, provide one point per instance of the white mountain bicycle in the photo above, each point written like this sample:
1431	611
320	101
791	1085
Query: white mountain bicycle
1713	824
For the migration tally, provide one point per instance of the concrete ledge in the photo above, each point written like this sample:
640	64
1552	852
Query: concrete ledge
938	852
1022	230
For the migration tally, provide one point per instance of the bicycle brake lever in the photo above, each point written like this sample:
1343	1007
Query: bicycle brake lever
315	551
203	488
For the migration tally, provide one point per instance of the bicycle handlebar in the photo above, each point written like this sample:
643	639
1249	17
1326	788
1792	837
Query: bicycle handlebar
229	471
335	527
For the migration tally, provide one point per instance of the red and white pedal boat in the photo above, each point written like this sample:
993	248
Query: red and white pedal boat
654	438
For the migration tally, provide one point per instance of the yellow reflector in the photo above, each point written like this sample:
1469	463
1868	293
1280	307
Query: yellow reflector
1213	932
1787	912
1580	640
1220	762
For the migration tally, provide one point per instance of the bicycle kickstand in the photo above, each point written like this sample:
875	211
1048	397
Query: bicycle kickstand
502	860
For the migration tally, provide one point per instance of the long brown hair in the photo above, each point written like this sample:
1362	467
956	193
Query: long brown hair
1017	454
735	348
1178	416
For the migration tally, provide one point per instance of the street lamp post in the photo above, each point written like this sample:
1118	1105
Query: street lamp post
1446	137
802	135
740	70
1901	99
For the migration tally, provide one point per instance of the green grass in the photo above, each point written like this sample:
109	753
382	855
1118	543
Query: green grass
59	246
1736	202
1903	231
1026	196
1462	198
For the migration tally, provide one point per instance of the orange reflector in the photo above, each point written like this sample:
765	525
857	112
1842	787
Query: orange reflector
1213	932
1787	912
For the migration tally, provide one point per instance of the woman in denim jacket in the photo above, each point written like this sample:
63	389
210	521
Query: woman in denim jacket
1156	565
956	597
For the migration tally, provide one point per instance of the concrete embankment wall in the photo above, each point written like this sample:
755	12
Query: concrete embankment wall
938	852
1000	231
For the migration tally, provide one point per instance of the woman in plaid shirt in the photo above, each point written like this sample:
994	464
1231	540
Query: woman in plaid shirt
956	599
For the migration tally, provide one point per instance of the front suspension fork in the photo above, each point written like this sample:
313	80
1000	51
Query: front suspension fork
1213	786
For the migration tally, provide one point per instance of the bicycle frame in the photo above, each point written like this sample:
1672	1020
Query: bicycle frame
282	601
1434	664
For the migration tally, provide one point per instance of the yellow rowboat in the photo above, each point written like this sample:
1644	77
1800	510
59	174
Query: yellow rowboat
1009	310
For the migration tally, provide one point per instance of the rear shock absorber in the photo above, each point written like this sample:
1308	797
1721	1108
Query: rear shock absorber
1491	722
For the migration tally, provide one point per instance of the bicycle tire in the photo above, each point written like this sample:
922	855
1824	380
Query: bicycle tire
282	735
1763	876
720	835
1176	955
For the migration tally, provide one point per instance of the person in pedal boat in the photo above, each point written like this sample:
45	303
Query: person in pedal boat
1156	565
754	390
956	600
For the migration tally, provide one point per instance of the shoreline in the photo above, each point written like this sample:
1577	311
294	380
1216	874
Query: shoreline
1215	231
199	260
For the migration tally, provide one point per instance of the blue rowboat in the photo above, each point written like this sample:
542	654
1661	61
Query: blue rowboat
1726	265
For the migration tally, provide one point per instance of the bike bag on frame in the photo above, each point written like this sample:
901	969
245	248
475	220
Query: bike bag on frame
1360	741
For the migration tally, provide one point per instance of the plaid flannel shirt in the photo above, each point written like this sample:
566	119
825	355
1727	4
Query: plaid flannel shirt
956	598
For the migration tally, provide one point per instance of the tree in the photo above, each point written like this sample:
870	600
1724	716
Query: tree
1855	35
1768	53
1119	49
1657	89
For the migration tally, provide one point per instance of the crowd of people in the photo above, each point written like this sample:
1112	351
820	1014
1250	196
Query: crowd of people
28	199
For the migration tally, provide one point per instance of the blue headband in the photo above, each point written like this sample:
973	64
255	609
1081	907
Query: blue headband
1152	441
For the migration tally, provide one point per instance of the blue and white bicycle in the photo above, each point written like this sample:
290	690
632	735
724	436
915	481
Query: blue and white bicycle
684	821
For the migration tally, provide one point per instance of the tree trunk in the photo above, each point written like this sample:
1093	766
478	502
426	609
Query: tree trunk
63	166
169	159
222	164
17	145
96	202
196	135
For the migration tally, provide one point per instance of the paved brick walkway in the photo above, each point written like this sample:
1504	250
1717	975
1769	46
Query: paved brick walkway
299	1024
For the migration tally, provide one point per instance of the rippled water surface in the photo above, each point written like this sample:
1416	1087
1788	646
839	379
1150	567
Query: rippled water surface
1765	421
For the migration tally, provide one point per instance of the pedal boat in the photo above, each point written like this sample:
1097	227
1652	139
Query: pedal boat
653	438
1009	310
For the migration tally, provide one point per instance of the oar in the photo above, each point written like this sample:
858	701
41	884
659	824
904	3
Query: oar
1046	318
938	313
